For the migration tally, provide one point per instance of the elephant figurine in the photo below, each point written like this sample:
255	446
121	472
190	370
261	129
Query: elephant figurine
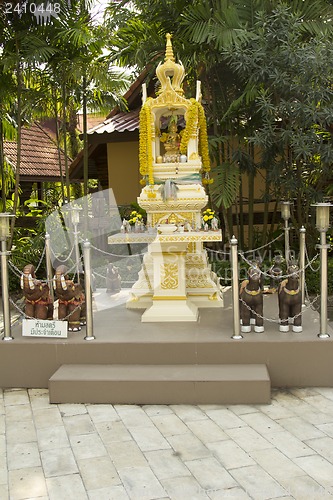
71	298
290	301
252	302
113	280
38	302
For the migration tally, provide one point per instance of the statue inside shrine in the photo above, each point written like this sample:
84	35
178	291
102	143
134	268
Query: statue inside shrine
171	141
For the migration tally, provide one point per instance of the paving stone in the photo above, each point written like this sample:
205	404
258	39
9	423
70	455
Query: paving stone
230	454
257	483
318	468
141	483
23	455
112	493
112	431
133	416
166	464
79	424
181	488
98	472
300	428
207	431
16	397
225	418
276	464
304	487
18	413
63	487
47	417
261	423
87	446
149	438
189	447
21	432
288	444
58	462
102	413
188	413
126	454
323	446
52	438
4	494
170	425
70	410
248	439
275	410
29	480
210	474
155	410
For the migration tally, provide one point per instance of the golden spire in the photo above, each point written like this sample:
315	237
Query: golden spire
170	74
168	49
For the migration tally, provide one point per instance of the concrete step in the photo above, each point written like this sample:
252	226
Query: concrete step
160	384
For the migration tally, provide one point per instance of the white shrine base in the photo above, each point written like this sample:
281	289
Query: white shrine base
174	310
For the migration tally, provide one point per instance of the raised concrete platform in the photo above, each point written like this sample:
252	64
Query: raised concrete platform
160	384
292	359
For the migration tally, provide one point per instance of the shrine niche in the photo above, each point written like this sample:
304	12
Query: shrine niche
174	165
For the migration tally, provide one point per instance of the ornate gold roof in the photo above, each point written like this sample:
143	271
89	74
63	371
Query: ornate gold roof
170	74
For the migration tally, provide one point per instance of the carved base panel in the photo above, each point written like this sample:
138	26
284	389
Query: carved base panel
202	285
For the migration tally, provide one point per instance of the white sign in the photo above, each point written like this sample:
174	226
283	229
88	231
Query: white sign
44	328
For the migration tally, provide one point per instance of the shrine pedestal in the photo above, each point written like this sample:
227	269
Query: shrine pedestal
170	302
164	278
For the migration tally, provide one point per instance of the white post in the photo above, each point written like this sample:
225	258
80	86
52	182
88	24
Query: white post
49	271
5	293
88	290
302	233
235	289
323	286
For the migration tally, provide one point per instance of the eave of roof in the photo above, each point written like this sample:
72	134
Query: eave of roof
39	154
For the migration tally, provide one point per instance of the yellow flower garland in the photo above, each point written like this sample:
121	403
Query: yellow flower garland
145	146
195	117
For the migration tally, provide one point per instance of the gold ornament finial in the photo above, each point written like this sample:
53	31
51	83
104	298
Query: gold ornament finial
168	49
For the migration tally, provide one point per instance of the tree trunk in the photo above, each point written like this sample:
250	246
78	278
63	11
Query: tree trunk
64	130
58	146
19	142
2	167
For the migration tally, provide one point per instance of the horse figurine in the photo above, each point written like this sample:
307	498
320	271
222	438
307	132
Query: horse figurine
251	301
290	301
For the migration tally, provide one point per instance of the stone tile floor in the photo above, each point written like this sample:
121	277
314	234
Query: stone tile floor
181	452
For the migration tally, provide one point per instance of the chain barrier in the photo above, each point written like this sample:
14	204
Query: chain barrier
25	316
283	276
115	254
247	251
18	272
273	320
61	260
307	258
41	258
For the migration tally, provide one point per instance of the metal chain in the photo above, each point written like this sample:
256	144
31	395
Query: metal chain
115	254
41	259
25	316
283	276
273	320
307	258
18	272
61	260
248	251
266	245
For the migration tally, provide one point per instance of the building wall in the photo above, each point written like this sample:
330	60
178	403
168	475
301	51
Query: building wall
123	170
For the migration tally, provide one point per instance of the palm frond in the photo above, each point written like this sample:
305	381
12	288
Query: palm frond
226	183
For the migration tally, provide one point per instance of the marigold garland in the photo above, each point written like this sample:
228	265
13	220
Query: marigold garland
145	146
195	117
